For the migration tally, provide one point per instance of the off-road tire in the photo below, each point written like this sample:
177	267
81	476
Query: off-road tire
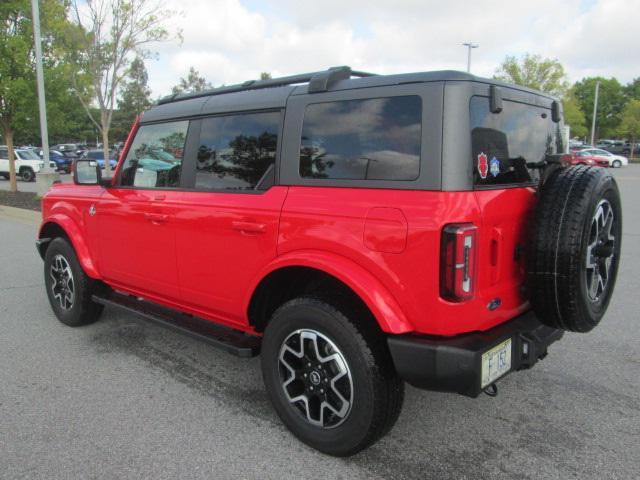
378	392
27	174
83	310
562	248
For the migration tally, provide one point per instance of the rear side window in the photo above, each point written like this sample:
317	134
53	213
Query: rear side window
155	157
503	143
371	139
237	152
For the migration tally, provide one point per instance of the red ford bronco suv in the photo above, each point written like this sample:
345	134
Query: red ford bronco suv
357	230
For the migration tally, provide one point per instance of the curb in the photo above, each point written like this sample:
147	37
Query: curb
21	215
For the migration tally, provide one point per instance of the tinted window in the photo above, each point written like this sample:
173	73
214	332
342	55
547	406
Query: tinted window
503	143
155	156
237	152
372	139
4	154
27	155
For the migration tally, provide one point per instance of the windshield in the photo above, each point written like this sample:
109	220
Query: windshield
27	155
503	143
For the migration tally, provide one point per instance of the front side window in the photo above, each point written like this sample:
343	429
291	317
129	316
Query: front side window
237	152
370	139
155	157
504	143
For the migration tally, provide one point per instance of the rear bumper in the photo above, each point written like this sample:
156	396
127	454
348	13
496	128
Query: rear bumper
454	364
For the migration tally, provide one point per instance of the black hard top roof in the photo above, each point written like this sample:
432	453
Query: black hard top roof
273	93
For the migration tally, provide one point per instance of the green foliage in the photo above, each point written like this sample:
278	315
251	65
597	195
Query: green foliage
632	90
17	65
135	98
193	83
265	76
611	101
19	115
533	71
574	116
630	123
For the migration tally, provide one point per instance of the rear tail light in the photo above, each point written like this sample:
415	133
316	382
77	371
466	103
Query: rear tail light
458	262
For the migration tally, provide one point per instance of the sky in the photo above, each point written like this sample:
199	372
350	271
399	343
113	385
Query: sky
230	41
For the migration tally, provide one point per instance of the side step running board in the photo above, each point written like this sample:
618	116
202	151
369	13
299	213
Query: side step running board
232	341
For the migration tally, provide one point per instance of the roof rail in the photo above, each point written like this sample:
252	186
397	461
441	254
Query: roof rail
318	82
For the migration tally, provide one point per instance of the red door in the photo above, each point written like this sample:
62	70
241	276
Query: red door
137	241
222	241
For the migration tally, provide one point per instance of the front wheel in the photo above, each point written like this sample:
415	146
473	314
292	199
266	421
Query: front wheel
27	175
330	378
69	289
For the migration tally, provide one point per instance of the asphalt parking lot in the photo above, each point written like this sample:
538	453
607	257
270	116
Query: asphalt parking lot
32	186
122	399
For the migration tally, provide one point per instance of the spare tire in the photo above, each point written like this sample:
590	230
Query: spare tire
573	257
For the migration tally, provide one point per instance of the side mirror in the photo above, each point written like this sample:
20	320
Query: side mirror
86	172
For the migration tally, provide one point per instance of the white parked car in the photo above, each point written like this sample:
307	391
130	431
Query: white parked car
606	159
28	163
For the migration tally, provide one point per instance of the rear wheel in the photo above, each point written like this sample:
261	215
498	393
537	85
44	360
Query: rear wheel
69	289
331	381
616	164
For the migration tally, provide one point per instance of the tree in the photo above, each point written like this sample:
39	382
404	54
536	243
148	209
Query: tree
632	90
533	71
630	123
193	83
18	98
574	116
135	97
116	29
611	100
265	76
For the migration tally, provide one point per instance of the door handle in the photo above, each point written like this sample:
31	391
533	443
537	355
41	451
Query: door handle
249	227
159	197
156	217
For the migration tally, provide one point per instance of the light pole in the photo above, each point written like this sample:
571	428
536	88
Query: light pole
46	177
469	46
595	112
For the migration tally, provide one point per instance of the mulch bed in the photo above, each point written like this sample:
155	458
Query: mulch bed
26	200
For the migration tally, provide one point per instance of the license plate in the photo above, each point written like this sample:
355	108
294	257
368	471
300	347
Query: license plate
496	362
